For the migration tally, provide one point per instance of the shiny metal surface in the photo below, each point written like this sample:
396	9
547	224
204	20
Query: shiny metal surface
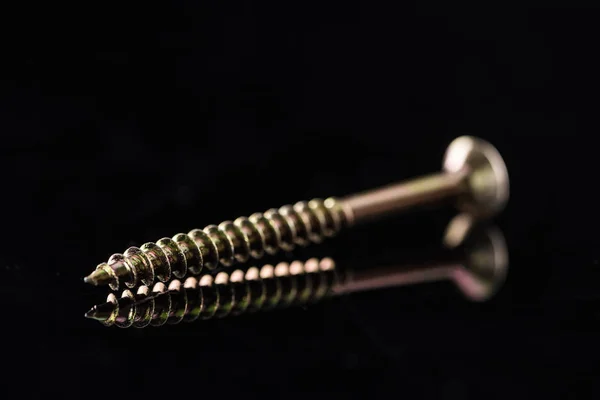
474	176
478	274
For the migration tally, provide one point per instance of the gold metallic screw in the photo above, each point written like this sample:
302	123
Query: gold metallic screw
478	273
473	174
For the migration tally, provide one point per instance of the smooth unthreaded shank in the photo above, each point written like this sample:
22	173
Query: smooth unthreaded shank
474	176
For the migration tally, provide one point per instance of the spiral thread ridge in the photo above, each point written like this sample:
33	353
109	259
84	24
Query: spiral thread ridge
226	244
267	288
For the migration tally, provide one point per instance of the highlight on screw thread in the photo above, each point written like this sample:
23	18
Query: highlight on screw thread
267	288
225	244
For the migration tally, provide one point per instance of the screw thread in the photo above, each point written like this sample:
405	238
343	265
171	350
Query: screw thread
224	244
267	288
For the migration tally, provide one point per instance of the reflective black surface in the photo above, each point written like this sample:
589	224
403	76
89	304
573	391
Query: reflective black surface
132	128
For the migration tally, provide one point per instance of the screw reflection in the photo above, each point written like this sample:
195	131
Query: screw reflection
477	264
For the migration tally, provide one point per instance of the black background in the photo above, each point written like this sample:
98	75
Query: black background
125	123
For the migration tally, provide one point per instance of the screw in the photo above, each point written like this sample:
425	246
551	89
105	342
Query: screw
478	273
474	174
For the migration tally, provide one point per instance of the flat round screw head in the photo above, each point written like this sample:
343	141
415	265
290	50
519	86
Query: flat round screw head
485	264
486	175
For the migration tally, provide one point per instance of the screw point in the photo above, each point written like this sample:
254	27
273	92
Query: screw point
98	277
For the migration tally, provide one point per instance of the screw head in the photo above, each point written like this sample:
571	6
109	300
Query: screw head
486	178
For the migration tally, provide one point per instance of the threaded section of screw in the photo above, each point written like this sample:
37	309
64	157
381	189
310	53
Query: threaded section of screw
226	244
263	289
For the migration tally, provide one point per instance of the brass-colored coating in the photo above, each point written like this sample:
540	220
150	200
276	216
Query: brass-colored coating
474	175
225	244
478	274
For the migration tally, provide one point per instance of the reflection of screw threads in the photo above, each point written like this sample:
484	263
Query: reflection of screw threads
224	295
225	244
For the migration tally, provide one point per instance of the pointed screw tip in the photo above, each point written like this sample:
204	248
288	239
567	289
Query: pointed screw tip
90	279
98	277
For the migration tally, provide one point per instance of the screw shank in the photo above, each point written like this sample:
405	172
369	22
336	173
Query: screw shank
377	203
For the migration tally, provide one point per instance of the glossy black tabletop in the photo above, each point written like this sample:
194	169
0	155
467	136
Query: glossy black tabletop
122	126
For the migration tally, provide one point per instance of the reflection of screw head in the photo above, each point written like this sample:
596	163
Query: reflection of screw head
487	177
485	263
